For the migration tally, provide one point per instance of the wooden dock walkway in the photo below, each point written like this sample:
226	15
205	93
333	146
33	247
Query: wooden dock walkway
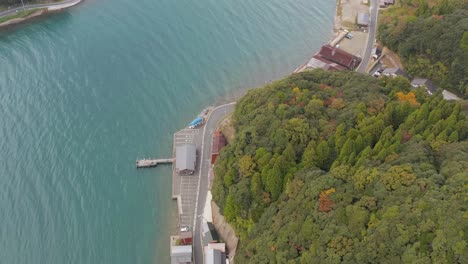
146	163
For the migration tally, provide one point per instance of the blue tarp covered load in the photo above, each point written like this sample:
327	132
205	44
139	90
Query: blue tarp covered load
196	121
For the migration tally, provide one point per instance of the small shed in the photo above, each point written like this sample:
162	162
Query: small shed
376	52
186	157
363	19
181	254
186	238
219	141
419	82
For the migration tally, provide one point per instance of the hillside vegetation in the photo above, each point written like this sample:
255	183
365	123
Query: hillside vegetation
331	167
431	36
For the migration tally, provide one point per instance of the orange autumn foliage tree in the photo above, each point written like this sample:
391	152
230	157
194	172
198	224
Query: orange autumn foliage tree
410	97
325	203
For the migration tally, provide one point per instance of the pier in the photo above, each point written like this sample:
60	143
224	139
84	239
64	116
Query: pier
147	163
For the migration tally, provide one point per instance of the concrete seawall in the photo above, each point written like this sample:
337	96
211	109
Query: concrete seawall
38	11
64	5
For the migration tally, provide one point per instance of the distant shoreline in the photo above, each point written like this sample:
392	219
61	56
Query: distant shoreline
24	14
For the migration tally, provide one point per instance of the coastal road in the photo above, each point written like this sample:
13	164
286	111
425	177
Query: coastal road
59	5
371	38
216	115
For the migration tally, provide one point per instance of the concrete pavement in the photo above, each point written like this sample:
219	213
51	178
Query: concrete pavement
371	38
184	187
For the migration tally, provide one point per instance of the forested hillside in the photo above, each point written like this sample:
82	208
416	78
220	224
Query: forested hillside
431	36
338	166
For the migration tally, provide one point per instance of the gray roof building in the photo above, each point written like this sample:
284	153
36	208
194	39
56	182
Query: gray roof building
418	82
186	157
393	72
319	62
363	19
213	256
209	233
181	254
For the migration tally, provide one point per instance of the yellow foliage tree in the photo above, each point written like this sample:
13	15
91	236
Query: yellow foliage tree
410	97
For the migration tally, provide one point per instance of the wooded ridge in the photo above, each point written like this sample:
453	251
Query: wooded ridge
331	167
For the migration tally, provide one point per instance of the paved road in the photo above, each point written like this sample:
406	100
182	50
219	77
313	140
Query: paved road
31	7
216	115
371	38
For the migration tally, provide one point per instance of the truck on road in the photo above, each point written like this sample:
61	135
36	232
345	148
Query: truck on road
196	122
200	120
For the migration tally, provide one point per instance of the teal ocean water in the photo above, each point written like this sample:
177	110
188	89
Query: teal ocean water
85	92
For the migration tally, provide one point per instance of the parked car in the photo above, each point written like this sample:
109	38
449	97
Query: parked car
185	229
349	36
378	72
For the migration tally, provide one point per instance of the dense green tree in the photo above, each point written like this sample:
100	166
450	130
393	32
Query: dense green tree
310	156
373	181
246	165
323	155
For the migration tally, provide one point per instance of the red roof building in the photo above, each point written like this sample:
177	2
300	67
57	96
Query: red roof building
339	56
186	238
318	62
219	141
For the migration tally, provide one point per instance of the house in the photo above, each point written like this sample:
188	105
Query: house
186	156
181	254
363	19
338	56
215	255
419	82
393	72
450	96
219	141
209	233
